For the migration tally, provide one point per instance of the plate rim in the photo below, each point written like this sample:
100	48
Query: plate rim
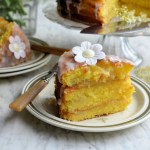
10	74
27	65
70	24
57	123
141	111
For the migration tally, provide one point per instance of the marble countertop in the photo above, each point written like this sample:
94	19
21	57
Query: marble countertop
22	131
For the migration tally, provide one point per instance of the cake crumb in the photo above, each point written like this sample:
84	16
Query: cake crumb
52	101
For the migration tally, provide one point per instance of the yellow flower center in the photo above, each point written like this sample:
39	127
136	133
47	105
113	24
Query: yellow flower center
16	47
88	53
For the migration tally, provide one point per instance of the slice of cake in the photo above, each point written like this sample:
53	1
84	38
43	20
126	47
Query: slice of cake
90	84
14	45
99	11
88	11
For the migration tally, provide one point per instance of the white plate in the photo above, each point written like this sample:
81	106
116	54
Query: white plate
44	108
10	74
37	58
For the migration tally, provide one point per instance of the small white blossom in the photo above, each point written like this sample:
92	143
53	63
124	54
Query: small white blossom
17	47
88	53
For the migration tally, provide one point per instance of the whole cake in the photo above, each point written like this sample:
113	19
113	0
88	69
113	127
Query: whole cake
14	45
99	11
91	84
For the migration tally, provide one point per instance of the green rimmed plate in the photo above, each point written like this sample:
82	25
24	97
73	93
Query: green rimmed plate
44	108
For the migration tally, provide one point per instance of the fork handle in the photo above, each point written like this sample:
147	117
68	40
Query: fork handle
21	102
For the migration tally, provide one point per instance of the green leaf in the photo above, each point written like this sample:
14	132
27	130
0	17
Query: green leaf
7	2
10	8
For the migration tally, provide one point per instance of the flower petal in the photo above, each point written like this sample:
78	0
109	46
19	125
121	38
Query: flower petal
91	61
11	48
22	45
86	45
11	39
17	39
101	55
77	50
17	56
96	47
97	52
79	58
22	53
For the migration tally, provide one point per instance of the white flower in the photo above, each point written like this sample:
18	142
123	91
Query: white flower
88	53
17	47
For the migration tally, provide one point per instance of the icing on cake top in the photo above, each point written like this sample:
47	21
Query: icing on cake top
68	60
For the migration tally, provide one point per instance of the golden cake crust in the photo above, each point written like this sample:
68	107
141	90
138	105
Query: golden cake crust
92	12
86	11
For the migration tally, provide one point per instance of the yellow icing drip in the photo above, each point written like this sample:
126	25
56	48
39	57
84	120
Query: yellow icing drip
5	31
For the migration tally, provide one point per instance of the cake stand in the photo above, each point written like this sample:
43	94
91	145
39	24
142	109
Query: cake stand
112	45
120	46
